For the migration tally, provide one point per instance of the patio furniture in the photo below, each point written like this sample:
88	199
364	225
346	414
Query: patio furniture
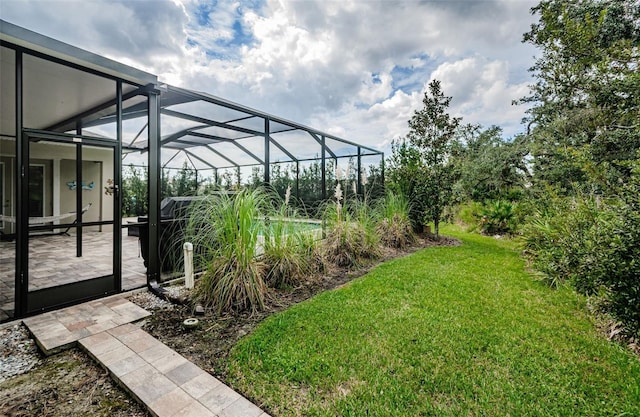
42	220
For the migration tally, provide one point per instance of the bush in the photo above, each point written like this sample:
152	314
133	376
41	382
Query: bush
393	224
469	215
498	217
622	277
594	245
565	240
492	217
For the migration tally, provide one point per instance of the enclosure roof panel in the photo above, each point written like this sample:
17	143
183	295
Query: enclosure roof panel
279	124
34	41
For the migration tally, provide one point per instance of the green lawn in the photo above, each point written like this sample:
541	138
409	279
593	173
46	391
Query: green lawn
447	331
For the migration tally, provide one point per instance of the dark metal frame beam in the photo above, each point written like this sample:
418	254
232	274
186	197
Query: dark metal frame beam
283	149
322	143
154	183
223	156
221	139
211	123
188	153
267	157
22	190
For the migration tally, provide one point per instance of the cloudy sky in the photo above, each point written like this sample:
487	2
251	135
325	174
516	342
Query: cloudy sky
356	69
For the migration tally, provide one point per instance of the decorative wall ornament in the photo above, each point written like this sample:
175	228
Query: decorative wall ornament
88	187
109	188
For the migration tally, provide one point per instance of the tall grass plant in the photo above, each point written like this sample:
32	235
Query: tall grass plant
226	229
351	235
393	222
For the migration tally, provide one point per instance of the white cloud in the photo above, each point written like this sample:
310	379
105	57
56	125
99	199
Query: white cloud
336	65
482	92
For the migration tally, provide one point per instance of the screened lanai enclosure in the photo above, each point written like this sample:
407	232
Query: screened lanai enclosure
89	148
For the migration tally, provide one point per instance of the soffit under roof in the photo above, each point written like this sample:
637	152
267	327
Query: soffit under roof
53	92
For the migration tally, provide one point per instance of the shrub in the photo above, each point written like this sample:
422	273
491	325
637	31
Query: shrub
492	217
622	277
469	215
498	217
594	245
394	225
565	240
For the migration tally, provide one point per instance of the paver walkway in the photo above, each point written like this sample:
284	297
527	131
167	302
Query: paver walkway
165	382
61	329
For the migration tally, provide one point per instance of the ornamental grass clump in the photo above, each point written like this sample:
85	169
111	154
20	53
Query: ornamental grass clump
233	278
394	224
286	262
350	236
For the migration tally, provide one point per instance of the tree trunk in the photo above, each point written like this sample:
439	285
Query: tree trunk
436	229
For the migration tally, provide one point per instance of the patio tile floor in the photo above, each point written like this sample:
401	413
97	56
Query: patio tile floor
53	261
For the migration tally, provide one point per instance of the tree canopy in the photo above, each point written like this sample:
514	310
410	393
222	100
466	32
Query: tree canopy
584	123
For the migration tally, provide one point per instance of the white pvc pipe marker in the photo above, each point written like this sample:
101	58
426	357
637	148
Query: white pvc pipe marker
188	264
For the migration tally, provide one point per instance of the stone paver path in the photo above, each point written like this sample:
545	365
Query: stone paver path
61	329
165	382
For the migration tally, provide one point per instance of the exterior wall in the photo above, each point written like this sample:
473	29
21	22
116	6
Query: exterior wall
60	167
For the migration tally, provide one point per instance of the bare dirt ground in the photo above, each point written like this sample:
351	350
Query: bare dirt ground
66	384
71	384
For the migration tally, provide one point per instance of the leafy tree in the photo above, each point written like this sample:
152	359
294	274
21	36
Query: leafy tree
490	167
185	182
134	191
585	137
166	187
422	164
584	123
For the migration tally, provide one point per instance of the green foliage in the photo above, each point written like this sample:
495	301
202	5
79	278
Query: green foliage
134	191
493	216
490	167
586	101
446	331
285	266
498	217
421	165
185	183
468	214
225	230
621	259
310	250
596	248
585	137
564	239
393	222
290	253
351	235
